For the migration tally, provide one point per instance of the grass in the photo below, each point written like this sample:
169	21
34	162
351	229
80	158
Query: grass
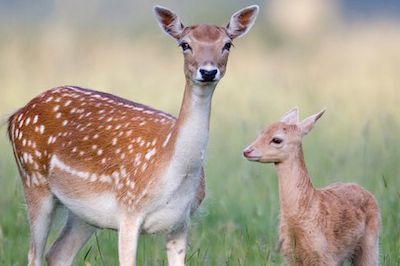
354	73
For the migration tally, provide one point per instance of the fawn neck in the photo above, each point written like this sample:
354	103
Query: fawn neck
191	131
295	187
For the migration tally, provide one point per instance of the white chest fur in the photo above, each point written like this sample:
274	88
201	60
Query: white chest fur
181	180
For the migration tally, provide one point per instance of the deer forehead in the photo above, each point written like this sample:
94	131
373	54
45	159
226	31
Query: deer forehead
280	129
205	33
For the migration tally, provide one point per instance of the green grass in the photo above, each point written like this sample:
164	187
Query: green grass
354	74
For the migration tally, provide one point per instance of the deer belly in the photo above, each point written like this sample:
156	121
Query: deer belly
101	210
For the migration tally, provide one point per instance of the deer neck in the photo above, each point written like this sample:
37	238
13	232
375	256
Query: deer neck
190	135
295	188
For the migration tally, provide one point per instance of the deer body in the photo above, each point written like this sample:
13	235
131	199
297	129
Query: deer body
118	164
318	226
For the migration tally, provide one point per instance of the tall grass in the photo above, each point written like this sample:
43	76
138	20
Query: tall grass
354	73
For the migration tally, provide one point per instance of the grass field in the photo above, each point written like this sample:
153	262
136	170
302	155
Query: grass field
354	73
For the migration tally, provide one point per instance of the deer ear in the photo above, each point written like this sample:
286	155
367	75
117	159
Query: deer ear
242	21
291	117
169	21
307	124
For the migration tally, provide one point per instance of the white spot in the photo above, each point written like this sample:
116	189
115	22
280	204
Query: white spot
105	179
114	141
27	121
167	139
96	136
49	99
38	154
150	153
67	103
129	132
154	142
115	175
58	115
41	129
93	177
65	122
144	167
137	160
100	152
35	119
56	108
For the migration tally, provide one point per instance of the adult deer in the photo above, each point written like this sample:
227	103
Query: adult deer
119	164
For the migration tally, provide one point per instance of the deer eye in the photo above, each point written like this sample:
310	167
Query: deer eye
185	46
277	140
228	46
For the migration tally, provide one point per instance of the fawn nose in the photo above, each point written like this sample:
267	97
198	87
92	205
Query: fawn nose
247	152
208	74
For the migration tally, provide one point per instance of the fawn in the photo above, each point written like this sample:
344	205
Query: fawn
317	226
118	164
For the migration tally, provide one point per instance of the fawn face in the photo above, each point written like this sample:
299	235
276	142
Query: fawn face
274	144
280	140
206	47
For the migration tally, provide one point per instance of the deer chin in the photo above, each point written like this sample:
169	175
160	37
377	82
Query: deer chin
205	83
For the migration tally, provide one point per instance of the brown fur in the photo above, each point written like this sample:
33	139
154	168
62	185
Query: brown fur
83	132
318	226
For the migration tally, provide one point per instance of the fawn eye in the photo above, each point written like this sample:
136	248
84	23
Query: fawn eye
228	46
185	46
277	140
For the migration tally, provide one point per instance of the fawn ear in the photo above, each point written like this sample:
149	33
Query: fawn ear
291	117
307	124
242	21
169	21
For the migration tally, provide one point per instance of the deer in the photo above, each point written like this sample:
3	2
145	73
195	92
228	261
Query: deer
324	226
117	164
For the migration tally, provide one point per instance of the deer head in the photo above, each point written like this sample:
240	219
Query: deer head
281	139
206	47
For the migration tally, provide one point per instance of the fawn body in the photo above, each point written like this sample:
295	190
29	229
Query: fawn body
119	164
317	226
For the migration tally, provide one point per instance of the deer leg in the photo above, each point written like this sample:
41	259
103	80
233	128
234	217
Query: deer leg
128	236
40	204
176	247
74	235
368	254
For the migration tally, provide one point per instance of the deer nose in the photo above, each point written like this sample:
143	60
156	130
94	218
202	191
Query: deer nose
208	74
247	152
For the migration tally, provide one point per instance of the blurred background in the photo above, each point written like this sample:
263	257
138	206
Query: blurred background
342	55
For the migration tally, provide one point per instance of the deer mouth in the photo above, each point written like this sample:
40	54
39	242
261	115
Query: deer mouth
252	158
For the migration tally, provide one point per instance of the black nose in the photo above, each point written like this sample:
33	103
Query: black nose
208	75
